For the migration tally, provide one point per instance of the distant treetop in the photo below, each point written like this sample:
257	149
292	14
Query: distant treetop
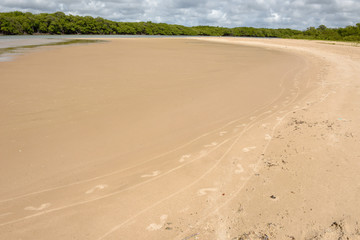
19	23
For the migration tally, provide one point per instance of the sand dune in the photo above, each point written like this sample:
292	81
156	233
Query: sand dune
198	138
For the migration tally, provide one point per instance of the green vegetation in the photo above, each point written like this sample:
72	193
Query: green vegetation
18	23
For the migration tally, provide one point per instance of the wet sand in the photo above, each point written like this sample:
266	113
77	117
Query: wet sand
211	138
7	42
17	42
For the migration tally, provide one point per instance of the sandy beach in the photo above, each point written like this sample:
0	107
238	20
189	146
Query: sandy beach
181	138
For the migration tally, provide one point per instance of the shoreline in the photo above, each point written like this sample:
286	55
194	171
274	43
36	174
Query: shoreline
297	177
227	145
9	49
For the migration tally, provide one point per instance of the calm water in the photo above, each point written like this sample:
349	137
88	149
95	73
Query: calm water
26	40
21	40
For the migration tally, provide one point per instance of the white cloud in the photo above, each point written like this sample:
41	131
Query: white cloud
298	14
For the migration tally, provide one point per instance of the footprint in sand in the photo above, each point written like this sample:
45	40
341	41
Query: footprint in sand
154	174
41	207
5	214
204	191
202	153
268	137
213	144
154	226
184	157
222	133
185	209
239	169
236	159
97	187
248	149
254	167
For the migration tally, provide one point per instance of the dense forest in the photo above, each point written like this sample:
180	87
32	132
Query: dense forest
18	23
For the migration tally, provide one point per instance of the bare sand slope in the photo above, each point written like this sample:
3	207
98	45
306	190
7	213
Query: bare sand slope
181	139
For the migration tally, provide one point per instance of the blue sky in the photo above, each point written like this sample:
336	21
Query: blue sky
297	14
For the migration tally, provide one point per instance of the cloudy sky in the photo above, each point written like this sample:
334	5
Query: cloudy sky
297	14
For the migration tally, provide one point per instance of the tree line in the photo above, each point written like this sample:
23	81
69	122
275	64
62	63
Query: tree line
19	23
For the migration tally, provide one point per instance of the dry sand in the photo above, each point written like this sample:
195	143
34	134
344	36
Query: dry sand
209	138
